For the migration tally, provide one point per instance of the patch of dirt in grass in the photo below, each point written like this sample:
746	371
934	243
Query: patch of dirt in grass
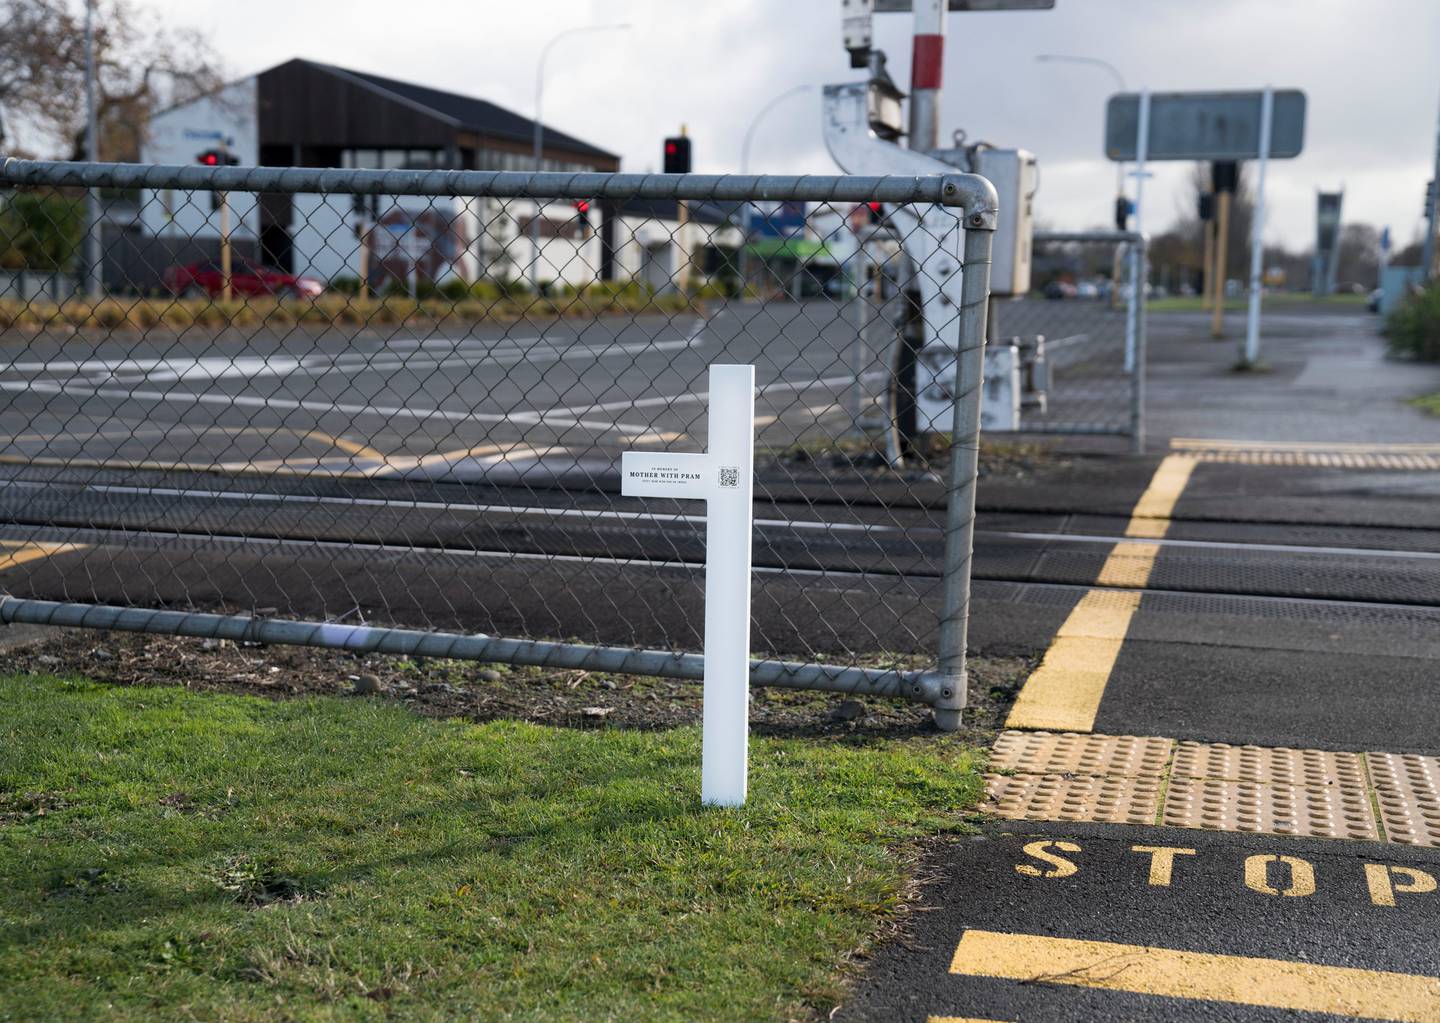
483	692
22	807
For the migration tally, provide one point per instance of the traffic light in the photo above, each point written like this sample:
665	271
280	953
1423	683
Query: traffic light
1123	209
582	216
217	158
1206	209
1225	175
875	214
677	155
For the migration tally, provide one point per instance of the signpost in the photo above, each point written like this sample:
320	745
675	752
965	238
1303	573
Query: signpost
1220	126
723	477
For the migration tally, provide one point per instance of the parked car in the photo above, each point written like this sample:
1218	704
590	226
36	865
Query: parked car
1060	289
247	280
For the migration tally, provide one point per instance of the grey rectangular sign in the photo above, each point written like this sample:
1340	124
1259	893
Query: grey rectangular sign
1205	125
896	6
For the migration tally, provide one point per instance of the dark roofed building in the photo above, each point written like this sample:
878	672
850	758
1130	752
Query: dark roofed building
320	115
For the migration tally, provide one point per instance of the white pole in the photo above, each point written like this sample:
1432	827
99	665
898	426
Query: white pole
1137	264
724	478
726	727
1257	231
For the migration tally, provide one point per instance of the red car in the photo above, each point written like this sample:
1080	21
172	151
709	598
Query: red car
247	280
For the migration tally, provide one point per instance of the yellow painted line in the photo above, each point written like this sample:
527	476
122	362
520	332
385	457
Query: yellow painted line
14	553
962	1019
1064	693
346	445
1378	447
1151	516
1173	973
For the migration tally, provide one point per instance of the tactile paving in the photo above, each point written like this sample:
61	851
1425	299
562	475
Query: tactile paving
1311	768
1334	811
1072	753
1059	797
1407	788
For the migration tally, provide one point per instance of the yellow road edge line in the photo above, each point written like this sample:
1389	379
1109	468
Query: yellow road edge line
14	553
1205	976
1377	447
963	1019
1064	693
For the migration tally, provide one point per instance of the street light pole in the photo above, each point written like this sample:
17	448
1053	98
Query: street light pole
748	208
1114	72
539	140
93	269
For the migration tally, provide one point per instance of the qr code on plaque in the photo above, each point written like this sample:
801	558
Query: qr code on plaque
729	476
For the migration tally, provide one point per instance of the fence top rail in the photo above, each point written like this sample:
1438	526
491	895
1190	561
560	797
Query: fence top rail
968	191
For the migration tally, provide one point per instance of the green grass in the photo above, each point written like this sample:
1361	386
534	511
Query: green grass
1427	403
1195	304
173	855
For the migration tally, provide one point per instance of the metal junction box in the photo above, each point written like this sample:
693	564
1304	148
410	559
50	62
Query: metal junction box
1015	177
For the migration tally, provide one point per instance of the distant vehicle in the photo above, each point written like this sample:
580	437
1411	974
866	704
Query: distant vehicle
1087	289
1373	302
247	280
1061	289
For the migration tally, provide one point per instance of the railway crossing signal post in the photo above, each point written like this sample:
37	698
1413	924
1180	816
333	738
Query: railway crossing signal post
222	157
722	477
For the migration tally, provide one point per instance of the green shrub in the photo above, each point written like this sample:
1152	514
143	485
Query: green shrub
1413	327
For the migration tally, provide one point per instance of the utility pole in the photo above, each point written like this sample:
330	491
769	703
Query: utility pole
94	270
226	280
1427	263
539	139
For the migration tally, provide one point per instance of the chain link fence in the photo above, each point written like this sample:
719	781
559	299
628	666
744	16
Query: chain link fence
1081	336
384	410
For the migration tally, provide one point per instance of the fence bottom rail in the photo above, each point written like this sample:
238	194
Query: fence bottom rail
920	687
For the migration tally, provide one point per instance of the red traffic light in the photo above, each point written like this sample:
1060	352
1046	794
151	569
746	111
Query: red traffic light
582	205
676	155
671	148
216	158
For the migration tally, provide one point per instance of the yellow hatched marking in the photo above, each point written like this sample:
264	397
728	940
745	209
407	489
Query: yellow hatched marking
1173	973
1064	693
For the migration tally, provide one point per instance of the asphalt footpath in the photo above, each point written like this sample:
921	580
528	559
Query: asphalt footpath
1217	795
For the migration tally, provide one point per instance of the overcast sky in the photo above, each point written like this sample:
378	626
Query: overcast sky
1371	71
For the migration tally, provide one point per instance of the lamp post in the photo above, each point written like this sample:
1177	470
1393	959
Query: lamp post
1114	72
540	135
745	169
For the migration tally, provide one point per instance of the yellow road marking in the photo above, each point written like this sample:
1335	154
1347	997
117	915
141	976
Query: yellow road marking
17	552
1195	443
961	1019
1064	693
1151	515
346	445
1173	973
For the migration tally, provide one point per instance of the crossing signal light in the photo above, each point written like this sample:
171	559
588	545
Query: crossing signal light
582	216
1123	209
875	214
1206	209
217	158
676	154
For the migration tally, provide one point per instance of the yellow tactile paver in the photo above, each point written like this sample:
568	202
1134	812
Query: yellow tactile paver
1127	779
1077	753
1407	790
1060	797
1271	765
1214	804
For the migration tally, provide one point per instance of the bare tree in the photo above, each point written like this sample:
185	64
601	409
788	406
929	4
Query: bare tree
142	65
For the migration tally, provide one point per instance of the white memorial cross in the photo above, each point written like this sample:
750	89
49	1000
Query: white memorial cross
723	477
